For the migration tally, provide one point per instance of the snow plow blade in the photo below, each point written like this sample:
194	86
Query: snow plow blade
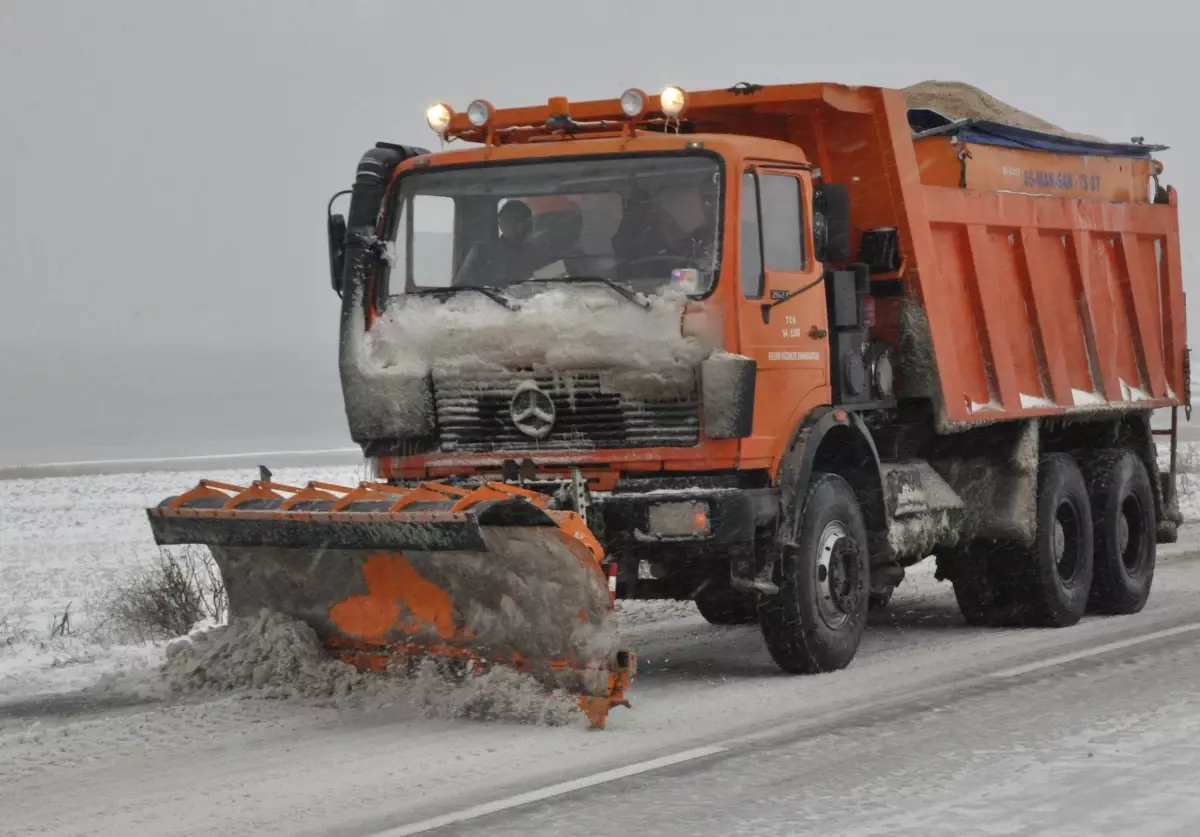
387	576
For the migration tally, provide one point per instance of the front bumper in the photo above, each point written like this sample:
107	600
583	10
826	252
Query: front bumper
632	522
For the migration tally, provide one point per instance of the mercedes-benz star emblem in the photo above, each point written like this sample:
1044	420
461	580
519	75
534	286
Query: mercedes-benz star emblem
532	411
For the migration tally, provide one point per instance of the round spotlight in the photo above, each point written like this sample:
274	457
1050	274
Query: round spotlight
673	101
479	112
633	103
438	116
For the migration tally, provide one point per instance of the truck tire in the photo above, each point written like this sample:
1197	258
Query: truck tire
816	620
1124	534
982	588
973	596
879	600
1052	580
722	605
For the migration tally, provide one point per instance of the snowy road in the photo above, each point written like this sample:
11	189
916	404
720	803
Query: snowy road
936	728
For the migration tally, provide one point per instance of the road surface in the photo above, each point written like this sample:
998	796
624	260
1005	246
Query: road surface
936	728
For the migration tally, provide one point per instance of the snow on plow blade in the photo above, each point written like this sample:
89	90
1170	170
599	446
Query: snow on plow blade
388	575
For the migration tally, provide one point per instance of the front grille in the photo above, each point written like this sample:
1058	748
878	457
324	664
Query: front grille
473	414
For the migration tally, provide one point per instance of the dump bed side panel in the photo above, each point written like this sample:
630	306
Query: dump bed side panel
1051	305
945	161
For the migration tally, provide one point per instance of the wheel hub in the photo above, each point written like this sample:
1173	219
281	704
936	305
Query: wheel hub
1060	540
836	572
1065	542
1130	534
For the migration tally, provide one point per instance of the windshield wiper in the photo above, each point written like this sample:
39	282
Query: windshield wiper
494	294
624	290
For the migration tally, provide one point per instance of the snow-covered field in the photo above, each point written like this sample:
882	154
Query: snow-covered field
64	541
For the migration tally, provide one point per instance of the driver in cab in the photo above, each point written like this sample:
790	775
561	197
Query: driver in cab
512	257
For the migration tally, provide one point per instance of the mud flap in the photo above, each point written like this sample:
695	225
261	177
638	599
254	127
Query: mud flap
387	576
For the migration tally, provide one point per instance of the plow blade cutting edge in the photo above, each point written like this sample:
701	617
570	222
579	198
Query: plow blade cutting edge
386	576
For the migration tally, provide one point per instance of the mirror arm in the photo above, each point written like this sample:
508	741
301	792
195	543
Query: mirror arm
767	306
336	195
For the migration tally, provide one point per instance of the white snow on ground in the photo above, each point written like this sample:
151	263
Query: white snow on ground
66	540
234	766
1189	477
642	613
63	539
44	666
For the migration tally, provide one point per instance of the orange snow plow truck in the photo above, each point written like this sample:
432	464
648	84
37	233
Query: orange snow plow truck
760	347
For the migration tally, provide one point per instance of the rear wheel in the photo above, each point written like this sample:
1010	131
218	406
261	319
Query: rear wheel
1052	581
1124	532
973	595
722	605
981	587
816	620
1043	585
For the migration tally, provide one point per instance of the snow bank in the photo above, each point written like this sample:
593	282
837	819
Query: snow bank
634	612
273	657
270	655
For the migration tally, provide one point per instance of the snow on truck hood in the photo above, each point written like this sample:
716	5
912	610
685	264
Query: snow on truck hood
563	327
640	350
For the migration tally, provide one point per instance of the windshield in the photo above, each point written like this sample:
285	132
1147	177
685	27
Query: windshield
647	221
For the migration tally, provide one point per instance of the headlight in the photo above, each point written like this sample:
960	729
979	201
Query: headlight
678	520
479	112
673	101
438	116
633	103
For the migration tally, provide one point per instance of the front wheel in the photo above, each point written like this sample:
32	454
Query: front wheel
816	620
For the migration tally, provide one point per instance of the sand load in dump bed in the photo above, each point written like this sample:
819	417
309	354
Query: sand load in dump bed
957	100
966	138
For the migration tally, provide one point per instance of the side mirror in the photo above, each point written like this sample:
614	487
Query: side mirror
335	230
831	223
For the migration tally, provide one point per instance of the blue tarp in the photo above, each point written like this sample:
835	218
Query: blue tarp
928	123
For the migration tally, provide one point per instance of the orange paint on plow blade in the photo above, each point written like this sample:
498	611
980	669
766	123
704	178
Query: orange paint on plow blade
392	581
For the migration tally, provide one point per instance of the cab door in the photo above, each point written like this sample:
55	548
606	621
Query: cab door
782	319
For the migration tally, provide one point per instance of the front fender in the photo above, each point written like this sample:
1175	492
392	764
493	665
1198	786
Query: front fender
796	466
837	440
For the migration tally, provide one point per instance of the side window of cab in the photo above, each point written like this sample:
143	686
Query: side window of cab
772	229
750	239
782	222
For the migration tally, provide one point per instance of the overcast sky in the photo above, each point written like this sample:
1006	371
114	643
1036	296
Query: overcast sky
164	166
